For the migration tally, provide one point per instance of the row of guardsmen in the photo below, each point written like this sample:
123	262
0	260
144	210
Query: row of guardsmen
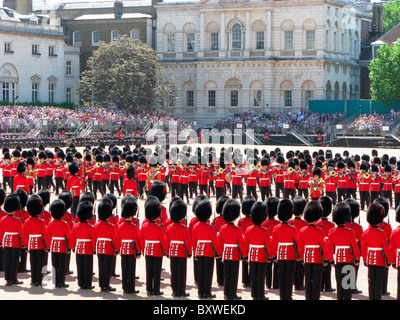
297	249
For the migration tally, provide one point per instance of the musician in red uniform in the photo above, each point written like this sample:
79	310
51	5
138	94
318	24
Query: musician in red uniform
251	178
298	207
193	178
34	235
152	242
325	225
204	177
184	180
219	176
394	250
141	172
129	185
41	173
290	181
159	190
106	242
51	165
284	248
244	224
83	242
6	166
265	179
331	182
58	234
364	180
20	179
128	245
388	182
312	250
279	177
302	177
375	251
75	184
114	175
375	186
179	248
11	233
237	173
175	172
231	244
205	245
105	182
257	250
342	245
352	176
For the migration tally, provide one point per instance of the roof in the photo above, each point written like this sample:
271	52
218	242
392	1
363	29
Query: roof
110	16
87	4
390	37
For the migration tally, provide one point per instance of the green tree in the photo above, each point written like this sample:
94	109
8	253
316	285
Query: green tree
385	74
125	73
391	15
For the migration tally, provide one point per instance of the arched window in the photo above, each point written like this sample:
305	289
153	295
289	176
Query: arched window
237	36
328	90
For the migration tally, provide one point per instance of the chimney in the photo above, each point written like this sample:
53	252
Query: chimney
21	6
118	8
377	19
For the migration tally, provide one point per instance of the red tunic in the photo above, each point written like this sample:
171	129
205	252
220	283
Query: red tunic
394	247
231	242
342	246
244	224
204	240
203	176
57	236
326	226
265	178
34	234
83	238
299	223
21	182
218	223
11	232
312	246
284	242
106	238
75	185
129	186
374	247
257	244
178	241
152	239
128	241
251	178
98	173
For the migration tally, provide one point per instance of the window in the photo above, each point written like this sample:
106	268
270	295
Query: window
234	98
190	42
310	39
309	95
68	68
68	95
211	98
35	49
77	38
96	38
190	98
52	91
52	51
257	98
288	40
135	34
336	12
171	43
237	36
35	92
214	41
260	40
9	91
287	94
8	47
114	34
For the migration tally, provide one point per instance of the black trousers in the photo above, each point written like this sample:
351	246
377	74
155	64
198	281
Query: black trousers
286	272
375	282
84	266
219	266
265	192
105	264
219	192
193	189
374	195
114	184
97	187
184	190
271	275
174	189
333	196
36	258
279	187
299	277
11	258
313	275
398	284
342	194
49	182
22	261
237	191
257	279
388	195
7	181
41	183
326	283
178	275
252	191
342	293
245	273
153	274
104	185
203	189
289	193
128	269
351	193
303	193
205	266
59	262
364	199
75	203
59	185
231	272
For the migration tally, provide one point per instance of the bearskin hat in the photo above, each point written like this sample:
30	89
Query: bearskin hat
272	204
129	208
247	203
99	158
220	203
258	212
264	162
313	211
341	213
326	203
285	209
178	210
73	168
299	203
203	210
30	161
66	196
84	211
23	197
45	195
57	209
112	198
231	210
87	196
303	165
385	204
11	203
375	214
197	199
34	205
127	197
159	190
2	196
354	207
104	209
130	172
152	208
317	171
21	167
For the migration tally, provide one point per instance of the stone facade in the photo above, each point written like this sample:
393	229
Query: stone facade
270	56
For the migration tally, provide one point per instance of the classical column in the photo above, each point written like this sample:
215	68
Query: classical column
247	32
222	34
269	31
201	47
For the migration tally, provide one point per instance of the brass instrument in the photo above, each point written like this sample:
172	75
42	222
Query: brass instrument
333	173
98	164
221	170
318	185
150	178
291	170
366	175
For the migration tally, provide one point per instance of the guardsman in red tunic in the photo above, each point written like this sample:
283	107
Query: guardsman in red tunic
6	166
129	185
326	226
75	184
265	179
128	245
302	178
60	171
375	251
231	244
219	176
394	250
284	248
98	171
251	178
343	248
114	175
152	242
105	244
388	184
83	241
205	247
279	177
342	181
204	177
58	234
331	183
179	248
244	224
41	173
237	173
175	172
352	176
11	234
312	250
357	230
159	190
298	207
364	180
290	181
45	195
375	186
20	179
184	180
51	165
34	230
193	178
257	250
141	175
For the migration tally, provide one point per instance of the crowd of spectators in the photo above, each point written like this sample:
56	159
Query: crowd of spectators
372	123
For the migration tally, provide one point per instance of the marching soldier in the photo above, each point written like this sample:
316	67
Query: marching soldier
364	181
394	250
265	179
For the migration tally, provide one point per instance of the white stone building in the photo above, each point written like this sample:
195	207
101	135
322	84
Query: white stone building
265	55
35	63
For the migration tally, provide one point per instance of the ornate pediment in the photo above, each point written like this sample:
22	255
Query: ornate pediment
52	79
36	78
